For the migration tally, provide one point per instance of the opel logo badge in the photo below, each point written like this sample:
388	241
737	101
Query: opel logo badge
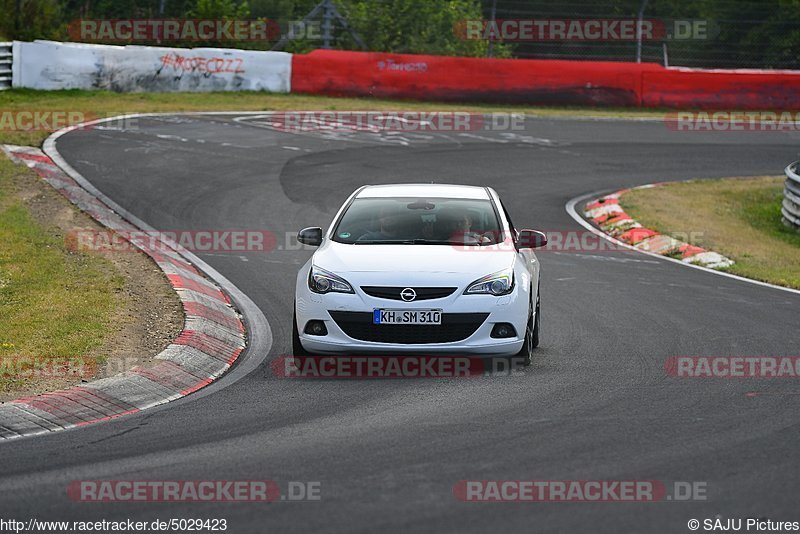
408	294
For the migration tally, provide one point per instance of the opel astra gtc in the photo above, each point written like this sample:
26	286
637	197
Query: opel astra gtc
419	268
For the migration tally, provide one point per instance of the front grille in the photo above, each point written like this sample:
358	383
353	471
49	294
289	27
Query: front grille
454	327
393	293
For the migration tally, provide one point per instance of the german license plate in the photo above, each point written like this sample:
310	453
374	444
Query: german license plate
382	316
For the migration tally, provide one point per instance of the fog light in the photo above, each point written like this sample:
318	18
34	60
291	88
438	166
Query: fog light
316	328
504	330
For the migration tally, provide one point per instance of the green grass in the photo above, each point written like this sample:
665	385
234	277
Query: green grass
54	303
737	217
106	103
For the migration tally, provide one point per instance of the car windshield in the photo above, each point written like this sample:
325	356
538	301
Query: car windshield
419	221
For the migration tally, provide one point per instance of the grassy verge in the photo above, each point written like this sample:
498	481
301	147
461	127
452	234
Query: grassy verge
737	217
105	103
55	305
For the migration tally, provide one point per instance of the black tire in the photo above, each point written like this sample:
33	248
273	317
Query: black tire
531	336
537	322
298	352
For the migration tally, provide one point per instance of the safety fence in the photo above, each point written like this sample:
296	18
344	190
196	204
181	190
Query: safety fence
54	65
791	197
5	65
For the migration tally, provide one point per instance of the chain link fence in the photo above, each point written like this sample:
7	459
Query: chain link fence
708	34
694	33
759	34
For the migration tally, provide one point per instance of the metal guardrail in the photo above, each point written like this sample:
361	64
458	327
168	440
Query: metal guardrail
6	57
791	197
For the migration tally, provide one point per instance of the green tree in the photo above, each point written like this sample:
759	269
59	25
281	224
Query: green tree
414	26
220	9
26	20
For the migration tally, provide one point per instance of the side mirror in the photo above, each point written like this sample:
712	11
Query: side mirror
310	236
531	239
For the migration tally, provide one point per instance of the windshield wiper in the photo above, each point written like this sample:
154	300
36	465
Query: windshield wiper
385	242
431	242
403	242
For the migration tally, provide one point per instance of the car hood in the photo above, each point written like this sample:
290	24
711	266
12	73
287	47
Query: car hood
444	259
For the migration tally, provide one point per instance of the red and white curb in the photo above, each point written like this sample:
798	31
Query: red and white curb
213	335
606	213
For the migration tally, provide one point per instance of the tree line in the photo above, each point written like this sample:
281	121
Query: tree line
746	33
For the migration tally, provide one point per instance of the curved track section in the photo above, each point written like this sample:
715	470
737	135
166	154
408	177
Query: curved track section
596	404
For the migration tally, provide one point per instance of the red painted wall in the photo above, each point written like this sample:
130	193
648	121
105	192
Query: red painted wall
721	89
523	81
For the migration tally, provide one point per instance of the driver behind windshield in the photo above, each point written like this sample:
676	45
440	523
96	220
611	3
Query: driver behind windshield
460	228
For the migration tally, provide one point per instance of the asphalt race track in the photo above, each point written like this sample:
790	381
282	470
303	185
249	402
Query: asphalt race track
595	405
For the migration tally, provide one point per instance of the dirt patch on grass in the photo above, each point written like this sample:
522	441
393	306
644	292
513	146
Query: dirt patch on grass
116	309
737	217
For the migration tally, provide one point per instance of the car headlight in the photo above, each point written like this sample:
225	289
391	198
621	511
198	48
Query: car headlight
321	281
500	283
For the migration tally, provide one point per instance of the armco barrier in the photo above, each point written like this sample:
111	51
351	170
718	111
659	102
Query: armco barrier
791	197
6	58
54	65
341	73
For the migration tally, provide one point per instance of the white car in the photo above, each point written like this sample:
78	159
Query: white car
421	269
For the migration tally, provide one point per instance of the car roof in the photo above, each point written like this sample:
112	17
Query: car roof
424	190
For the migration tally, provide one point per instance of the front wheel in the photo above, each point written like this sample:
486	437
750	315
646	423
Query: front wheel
537	322
531	335
298	352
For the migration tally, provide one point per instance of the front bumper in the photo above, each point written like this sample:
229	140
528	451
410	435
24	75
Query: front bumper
343	313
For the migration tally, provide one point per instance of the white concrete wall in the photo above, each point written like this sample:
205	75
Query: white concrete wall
54	65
